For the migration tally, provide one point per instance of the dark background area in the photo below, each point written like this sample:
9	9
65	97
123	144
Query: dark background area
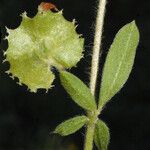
27	119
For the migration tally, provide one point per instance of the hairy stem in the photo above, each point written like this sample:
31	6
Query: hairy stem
89	137
90	130
94	71
97	44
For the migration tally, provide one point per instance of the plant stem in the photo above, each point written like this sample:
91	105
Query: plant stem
90	130
97	44
89	137
94	72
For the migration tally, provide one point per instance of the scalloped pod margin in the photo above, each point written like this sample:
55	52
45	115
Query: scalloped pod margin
39	43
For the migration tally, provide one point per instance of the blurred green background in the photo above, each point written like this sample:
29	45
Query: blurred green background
27	119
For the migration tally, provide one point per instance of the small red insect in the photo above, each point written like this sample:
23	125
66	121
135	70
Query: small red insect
48	6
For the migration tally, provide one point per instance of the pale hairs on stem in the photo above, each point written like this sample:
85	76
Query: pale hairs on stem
97	44
94	71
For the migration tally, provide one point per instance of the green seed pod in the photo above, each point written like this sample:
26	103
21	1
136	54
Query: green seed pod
39	43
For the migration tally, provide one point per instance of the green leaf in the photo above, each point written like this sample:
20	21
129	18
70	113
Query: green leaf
119	62
101	135
71	126
40	43
79	92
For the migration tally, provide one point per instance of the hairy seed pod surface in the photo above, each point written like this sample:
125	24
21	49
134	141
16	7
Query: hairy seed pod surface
39	43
